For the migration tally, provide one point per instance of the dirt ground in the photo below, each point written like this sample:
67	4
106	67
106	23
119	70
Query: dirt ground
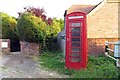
20	66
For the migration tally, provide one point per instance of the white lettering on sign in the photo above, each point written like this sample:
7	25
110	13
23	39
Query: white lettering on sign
75	17
4	44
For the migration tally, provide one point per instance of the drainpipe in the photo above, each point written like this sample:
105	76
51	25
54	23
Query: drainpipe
106	51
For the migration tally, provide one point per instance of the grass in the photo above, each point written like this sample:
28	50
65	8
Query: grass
98	67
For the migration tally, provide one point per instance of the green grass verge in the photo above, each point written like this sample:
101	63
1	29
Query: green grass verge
98	67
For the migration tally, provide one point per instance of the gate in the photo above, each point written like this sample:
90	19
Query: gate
76	40
14	45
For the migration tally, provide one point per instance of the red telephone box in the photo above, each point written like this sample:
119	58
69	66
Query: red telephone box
76	40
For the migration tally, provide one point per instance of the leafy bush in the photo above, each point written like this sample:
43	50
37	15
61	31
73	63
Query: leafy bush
98	67
34	26
60	23
52	32
31	28
8	27
38	13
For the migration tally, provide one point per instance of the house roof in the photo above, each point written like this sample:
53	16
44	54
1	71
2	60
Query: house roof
81	8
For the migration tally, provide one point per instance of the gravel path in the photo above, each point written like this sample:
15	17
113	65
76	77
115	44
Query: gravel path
19	66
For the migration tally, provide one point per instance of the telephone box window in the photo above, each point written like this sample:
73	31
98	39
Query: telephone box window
75	44
75	59
75	49
75	24
75	29
76	34
75	54
75	39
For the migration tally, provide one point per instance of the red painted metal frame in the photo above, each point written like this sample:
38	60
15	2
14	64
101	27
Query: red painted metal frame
83	63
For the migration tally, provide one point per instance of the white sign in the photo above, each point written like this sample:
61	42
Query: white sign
75	17
4	44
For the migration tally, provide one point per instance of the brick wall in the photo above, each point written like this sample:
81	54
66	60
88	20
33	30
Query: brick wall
96	46
103	25
28	48
102	22
119	20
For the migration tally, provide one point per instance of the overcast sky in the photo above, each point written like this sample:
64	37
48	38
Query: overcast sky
53	8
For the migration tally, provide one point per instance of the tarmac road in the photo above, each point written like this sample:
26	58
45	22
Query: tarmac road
19	66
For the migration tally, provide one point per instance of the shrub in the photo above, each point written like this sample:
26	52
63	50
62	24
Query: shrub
8	27
38	13
98	67
31	28
60	23
52	32
34	26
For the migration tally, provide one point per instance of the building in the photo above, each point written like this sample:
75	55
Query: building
103	23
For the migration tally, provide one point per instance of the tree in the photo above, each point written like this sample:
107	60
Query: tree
31	28
8	27
52	32
38	13
58	25
34	26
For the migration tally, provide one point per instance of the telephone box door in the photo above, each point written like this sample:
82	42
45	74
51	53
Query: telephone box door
75	41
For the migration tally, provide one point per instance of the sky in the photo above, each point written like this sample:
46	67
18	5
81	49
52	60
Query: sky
53	8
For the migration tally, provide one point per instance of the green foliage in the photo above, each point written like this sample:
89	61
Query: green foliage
54	61
57	26
51	43
31	28
61	22
8	27
98	67
52	31
34	29
34	26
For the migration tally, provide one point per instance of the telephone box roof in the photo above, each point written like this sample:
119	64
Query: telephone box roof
81	8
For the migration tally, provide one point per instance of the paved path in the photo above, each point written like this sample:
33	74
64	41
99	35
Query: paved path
18	66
